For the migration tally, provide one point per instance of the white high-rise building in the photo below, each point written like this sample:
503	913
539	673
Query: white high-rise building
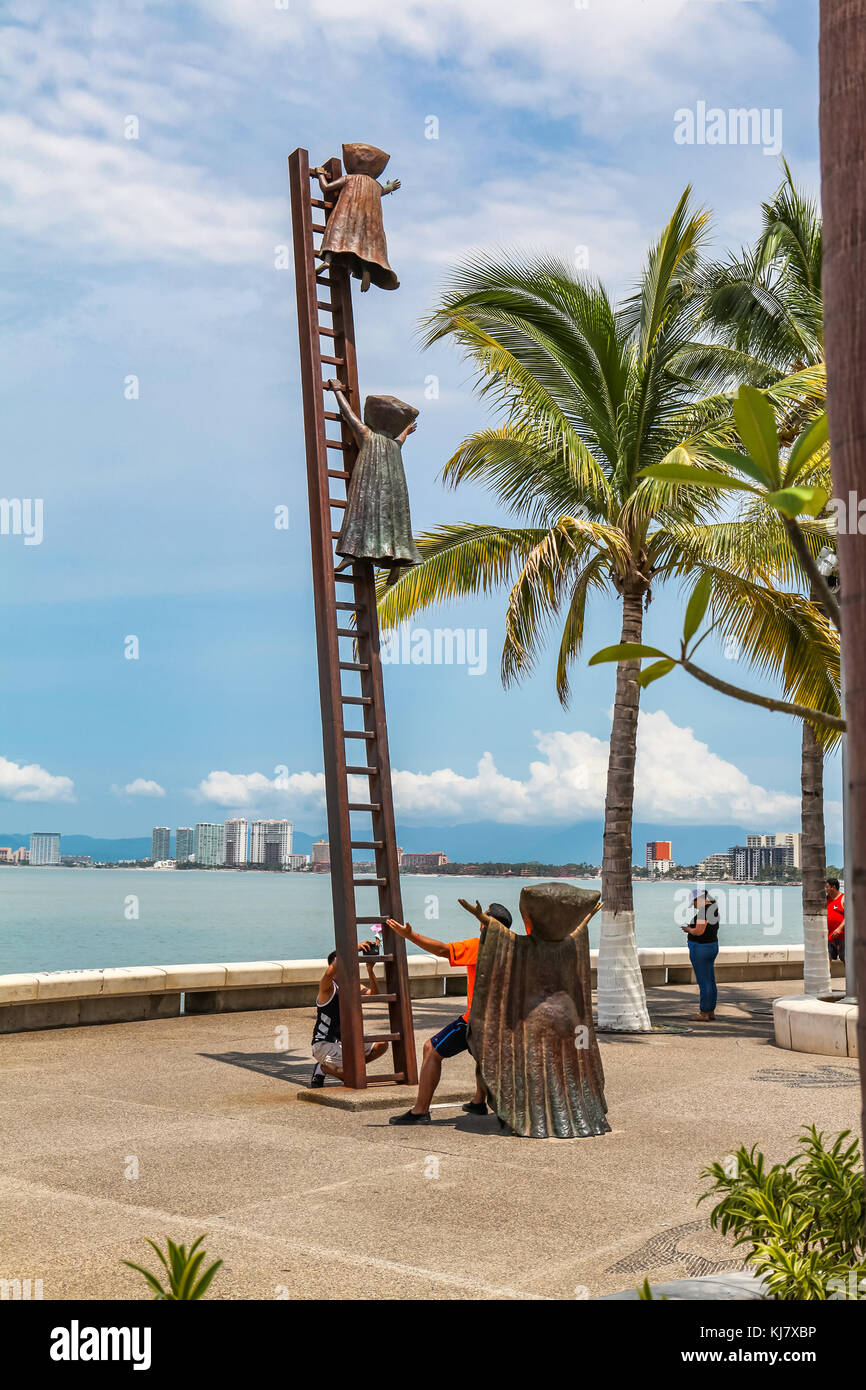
210	844
793	840
271	842
160	843
785	839
184	844
236	841
44	849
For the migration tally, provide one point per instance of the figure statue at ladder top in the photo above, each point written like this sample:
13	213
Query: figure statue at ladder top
377	525
355	234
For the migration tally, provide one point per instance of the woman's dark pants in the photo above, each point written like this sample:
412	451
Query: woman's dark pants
703	955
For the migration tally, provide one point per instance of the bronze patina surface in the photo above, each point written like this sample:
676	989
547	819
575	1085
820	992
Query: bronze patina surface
377	525
530	1027
355	233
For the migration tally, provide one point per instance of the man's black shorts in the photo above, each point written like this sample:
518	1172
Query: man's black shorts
451	1039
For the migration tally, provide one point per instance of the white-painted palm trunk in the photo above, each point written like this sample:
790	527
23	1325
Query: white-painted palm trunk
621	998
816	961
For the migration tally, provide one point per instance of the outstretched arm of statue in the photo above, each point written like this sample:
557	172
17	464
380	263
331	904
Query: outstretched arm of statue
390	187
476	911
588	918
410	429
358	428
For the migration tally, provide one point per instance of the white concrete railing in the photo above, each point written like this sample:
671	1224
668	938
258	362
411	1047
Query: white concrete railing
659	965
79	998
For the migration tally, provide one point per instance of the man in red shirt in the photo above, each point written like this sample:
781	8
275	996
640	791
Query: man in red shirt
835	920
451	1039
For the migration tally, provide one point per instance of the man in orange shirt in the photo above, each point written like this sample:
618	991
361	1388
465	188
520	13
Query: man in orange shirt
451	1039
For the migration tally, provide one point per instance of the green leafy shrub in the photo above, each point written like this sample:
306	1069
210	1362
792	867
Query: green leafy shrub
802	1220
182	1267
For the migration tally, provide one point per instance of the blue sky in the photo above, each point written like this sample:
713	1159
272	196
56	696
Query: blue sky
157	257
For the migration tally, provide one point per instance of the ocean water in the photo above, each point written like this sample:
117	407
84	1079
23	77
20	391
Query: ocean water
65	919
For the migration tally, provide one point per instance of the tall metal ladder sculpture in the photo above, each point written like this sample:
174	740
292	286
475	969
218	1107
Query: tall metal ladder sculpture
346	652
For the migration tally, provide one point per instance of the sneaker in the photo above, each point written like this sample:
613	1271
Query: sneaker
410	1118
317	1079
475	1107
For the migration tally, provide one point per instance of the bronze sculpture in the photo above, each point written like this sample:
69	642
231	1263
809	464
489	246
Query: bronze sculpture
355	233
530	1027
377	525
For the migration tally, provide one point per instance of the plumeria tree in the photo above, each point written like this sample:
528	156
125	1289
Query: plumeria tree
782	487
765	306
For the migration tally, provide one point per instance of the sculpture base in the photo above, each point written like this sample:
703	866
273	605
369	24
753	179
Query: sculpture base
384	1097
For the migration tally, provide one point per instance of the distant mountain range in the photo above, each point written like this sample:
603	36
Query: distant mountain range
482	841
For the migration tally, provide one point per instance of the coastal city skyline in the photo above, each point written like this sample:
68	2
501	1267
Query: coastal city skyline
240	842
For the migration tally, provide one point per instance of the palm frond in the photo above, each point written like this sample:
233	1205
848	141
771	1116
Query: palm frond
458	561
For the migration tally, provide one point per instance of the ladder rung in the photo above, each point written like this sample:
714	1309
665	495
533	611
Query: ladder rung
334	444
326	332
365	806
378	998
359	733
350	607
335	535
347	578
367	844
338	473
382	1037
331	415
334	361
323	280
337	502
367	922
377	1080
347	632
318	226
369	882
354	665
363	771
356	700
326	305
320	203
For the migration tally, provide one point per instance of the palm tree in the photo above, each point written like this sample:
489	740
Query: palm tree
765	307
590	393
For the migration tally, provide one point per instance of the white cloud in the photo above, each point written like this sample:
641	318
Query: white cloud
140	787
553	56
677	780
591	220
245	789
32	783
112	197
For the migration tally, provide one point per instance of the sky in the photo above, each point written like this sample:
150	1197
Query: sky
158	643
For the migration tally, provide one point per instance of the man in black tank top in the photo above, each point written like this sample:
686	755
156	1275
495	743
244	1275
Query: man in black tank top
327	1047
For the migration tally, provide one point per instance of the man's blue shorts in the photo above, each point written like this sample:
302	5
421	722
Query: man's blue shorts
451	1039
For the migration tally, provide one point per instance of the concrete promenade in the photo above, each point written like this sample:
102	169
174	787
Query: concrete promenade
308	1201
